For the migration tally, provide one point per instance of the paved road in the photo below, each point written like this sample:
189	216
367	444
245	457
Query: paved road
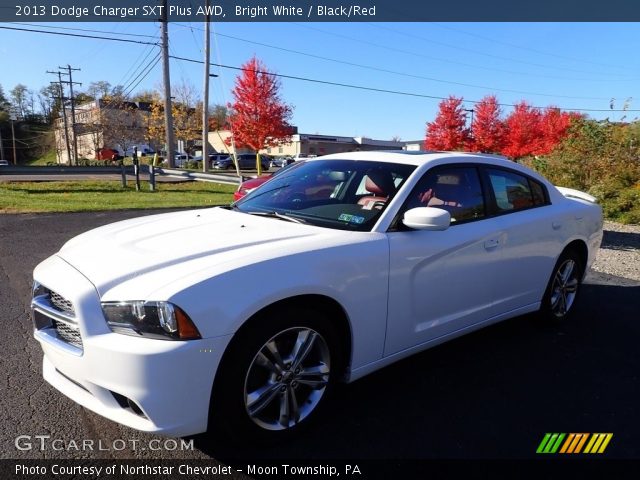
491	394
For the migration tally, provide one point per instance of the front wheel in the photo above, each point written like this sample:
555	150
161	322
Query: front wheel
276	377
563	287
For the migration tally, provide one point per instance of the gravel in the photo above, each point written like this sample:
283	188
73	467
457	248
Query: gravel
619	253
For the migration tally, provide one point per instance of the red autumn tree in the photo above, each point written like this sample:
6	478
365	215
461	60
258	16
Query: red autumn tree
259	118
523	131
487	129
448	131
553	126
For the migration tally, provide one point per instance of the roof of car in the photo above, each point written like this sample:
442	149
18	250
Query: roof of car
416	157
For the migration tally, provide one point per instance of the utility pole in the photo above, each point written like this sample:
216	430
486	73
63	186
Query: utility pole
205	94
64	114
472	111
73	110
168	115
12	116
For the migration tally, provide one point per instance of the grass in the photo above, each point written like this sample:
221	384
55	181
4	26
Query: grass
27	197
47	158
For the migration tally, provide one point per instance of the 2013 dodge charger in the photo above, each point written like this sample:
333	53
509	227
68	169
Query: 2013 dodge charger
246	316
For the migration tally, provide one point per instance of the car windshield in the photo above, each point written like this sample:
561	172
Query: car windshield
342	194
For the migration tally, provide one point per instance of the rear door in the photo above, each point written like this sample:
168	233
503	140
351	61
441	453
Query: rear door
521	208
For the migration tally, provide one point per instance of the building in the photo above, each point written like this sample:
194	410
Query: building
102	124
309	144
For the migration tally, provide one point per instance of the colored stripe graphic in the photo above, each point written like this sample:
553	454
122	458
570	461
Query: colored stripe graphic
567	443
598	442
550	443
574	443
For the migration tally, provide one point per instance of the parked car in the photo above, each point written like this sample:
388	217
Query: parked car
180	158
108	154
408	250
246	161
142	149
251	184
4	163
280	162
303	156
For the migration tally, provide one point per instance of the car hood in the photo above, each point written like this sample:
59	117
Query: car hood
144	254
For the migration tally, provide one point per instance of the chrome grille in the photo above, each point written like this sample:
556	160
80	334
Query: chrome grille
68	333
61	303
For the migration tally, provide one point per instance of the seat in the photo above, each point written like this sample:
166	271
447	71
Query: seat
380	184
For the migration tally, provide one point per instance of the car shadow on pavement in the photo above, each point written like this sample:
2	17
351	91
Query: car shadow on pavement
490	394
620	240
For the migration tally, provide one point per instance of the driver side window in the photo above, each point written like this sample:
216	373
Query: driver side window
455	189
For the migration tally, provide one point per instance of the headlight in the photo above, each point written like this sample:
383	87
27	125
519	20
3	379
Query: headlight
150	319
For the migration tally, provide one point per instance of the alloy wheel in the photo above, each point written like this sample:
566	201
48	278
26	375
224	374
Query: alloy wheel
565	288
287	378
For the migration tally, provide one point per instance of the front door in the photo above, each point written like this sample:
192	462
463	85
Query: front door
443	281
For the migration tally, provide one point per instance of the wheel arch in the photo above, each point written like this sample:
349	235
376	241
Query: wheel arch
333	310
579	246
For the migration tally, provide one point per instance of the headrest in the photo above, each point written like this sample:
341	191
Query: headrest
379	182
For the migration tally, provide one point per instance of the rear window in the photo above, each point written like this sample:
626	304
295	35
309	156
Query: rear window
511	190
538	192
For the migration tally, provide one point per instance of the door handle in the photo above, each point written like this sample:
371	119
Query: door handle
556	225
491	244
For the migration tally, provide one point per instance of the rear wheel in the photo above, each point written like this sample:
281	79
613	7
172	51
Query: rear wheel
276	377
563	287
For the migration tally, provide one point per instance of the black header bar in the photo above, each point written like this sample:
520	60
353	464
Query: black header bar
322	11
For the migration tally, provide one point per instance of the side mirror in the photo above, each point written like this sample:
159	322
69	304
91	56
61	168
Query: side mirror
427	218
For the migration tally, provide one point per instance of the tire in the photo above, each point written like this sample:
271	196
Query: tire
276	377
563	287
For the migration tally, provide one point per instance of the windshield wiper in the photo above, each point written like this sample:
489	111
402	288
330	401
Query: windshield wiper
281	216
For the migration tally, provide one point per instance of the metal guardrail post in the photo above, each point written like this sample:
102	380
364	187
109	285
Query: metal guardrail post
152	178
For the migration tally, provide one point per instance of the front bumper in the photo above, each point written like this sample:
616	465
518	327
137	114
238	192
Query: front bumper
151	385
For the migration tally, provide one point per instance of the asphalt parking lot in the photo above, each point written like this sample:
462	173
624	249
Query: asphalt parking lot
491	394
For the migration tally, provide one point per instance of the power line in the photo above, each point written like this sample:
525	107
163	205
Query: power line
142	70
157	60
490	55
393	49
513	45
395	92
84	30
139	60
404	74
126	40
382	90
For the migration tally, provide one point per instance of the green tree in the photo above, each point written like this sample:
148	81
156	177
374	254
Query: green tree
4	107
19	98
99	89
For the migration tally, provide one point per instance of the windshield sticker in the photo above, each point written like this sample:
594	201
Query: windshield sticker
345	217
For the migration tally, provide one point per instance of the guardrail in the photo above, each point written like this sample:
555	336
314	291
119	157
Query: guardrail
198	176
64	170
123	171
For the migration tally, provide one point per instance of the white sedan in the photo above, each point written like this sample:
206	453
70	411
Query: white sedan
243	318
